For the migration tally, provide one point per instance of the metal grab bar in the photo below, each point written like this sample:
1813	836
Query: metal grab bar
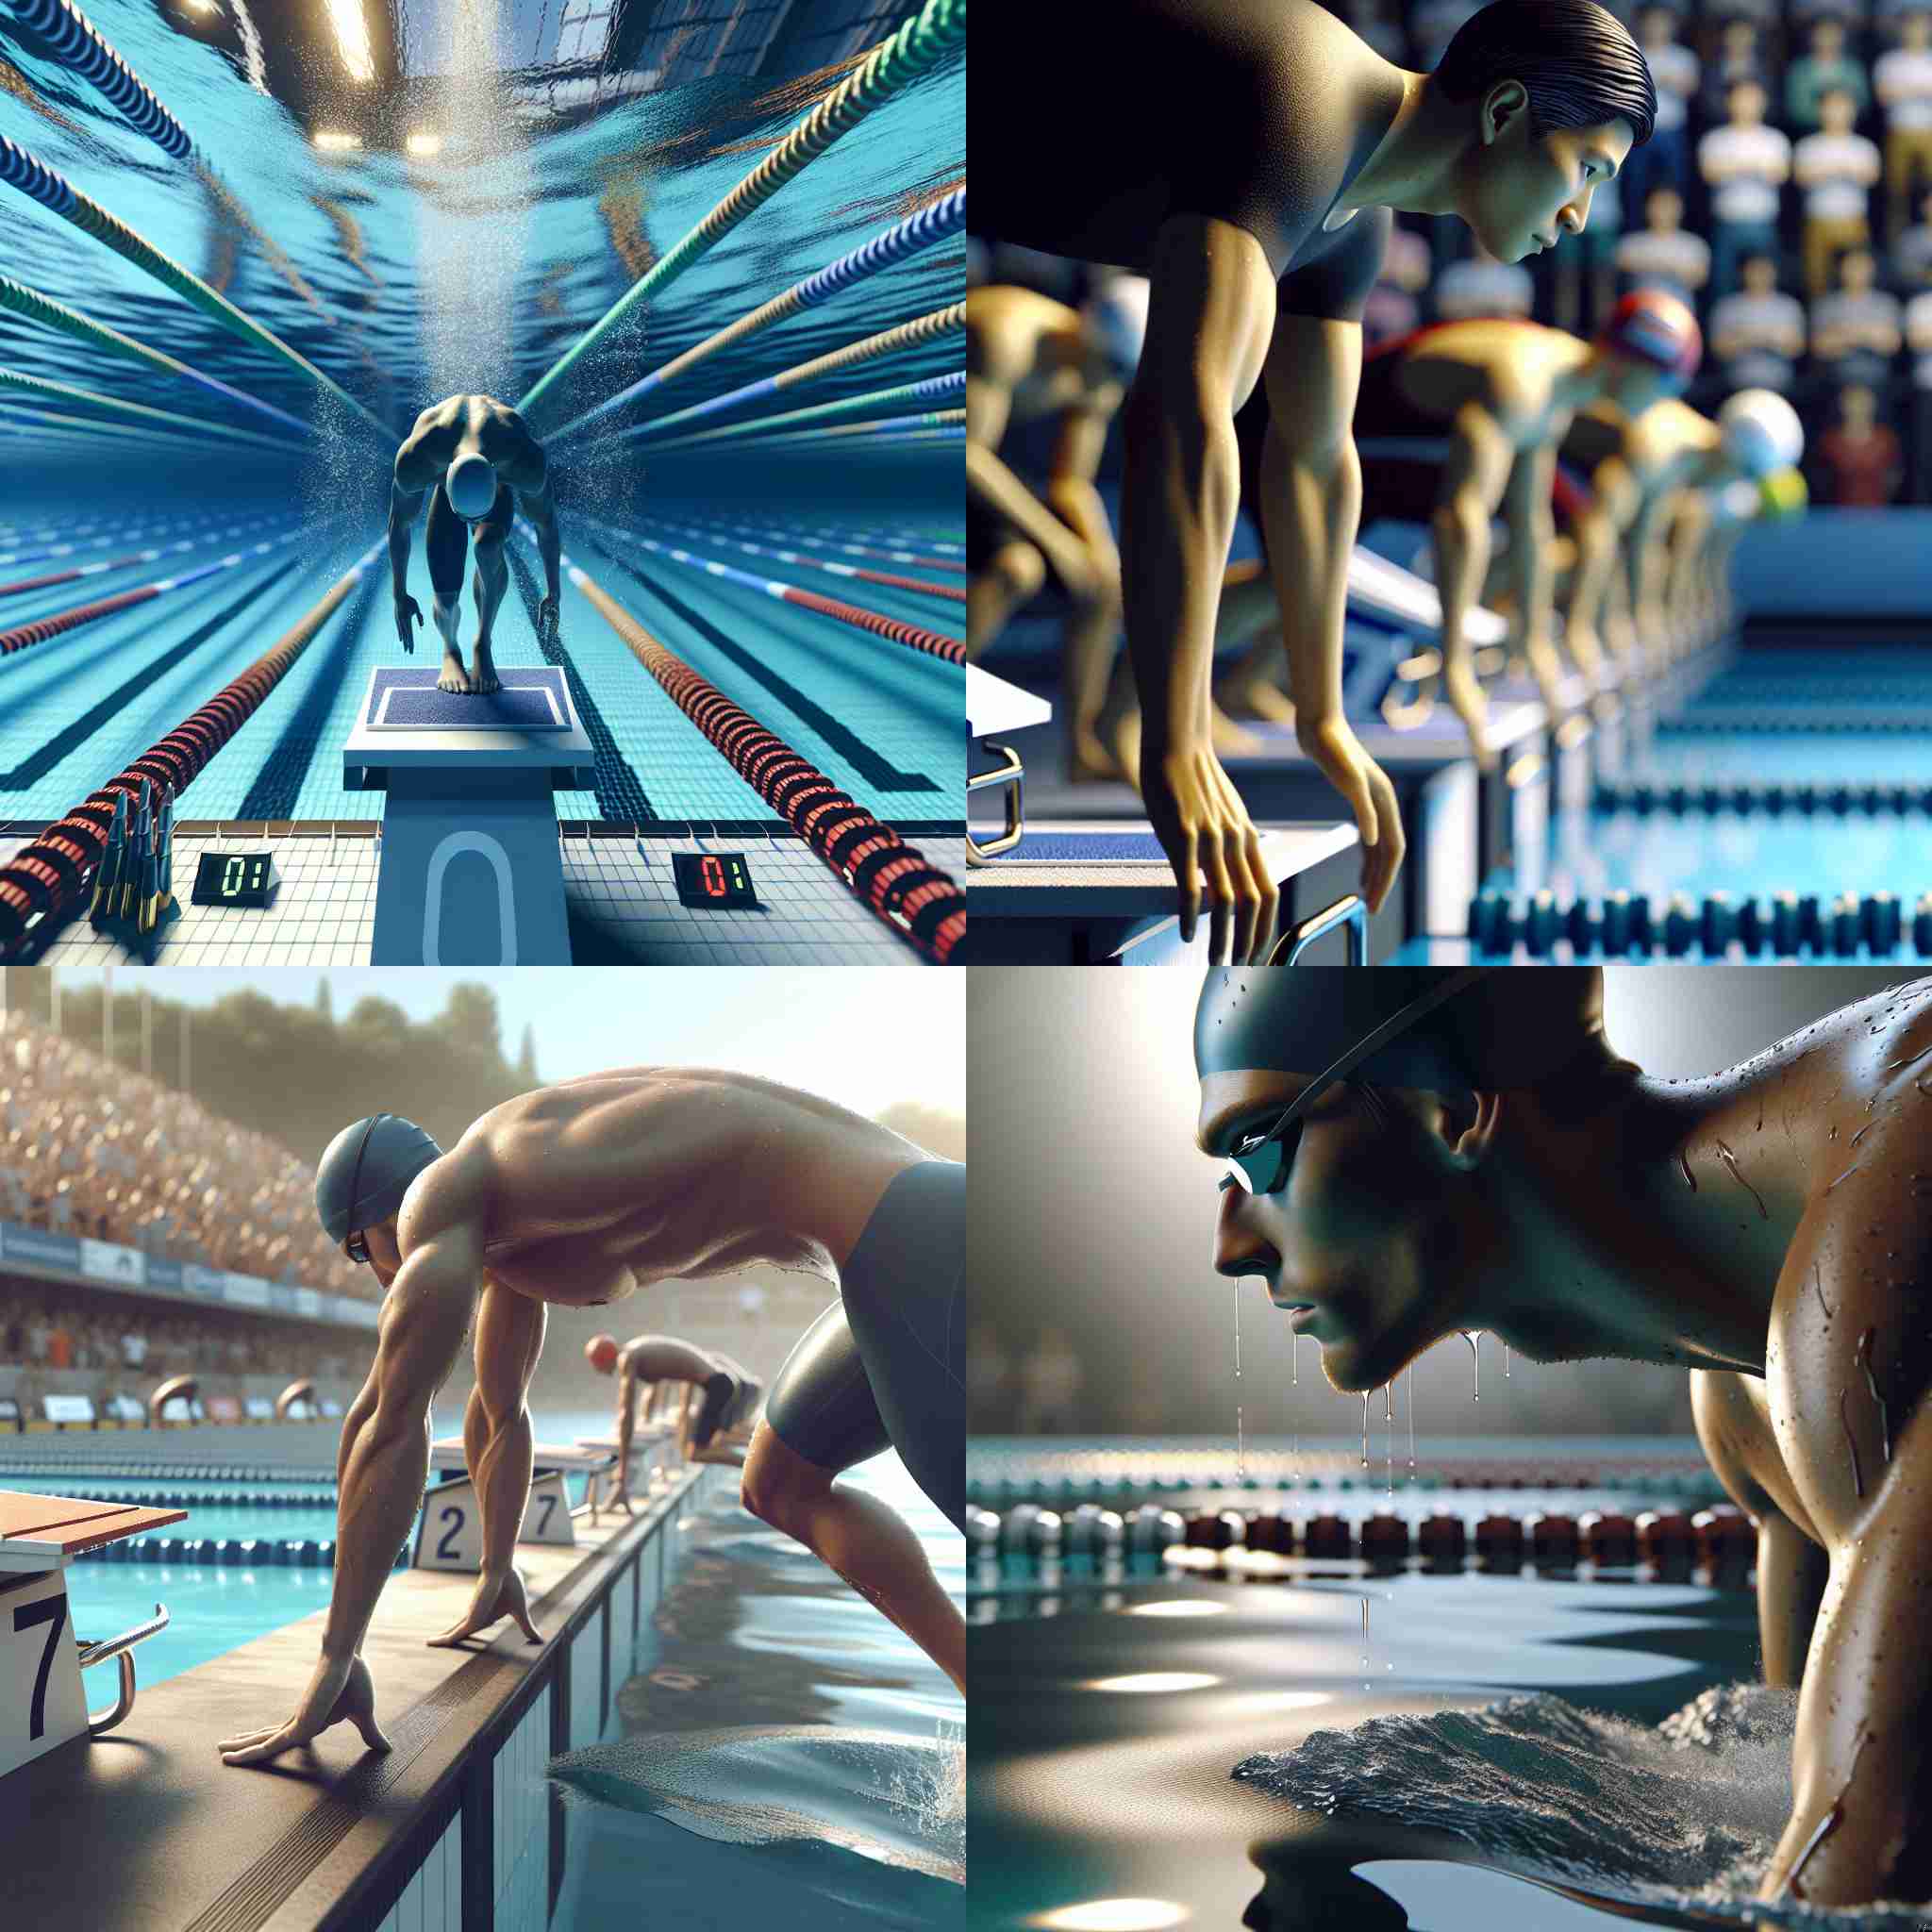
1009	777
1349	913
89	1654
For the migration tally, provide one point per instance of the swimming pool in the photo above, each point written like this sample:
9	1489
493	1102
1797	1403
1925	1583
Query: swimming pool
1447	1738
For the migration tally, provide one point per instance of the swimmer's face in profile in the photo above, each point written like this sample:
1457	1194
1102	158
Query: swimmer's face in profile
1365	1226
1520	192
385	1256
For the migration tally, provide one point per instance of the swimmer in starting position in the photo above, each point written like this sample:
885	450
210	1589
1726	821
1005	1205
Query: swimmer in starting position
580	1194
473	451
642	1367
1413	1153
1244	156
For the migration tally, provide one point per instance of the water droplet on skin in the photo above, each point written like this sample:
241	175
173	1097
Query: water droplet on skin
1730	1161
1240	1443
1690	1178
1506	1361
1365	1429
1864	1360
1410	1393
1851	1443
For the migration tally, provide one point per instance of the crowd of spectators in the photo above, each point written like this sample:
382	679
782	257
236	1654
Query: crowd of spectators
101	1343
89	1148
1786	193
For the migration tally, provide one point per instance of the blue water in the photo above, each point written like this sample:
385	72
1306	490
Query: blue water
406	282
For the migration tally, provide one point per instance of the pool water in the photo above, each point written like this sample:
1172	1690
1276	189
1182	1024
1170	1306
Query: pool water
780	1748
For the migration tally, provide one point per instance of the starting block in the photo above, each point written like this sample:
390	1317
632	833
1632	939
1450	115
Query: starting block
470	873
994	704
653	1450
42	1703
449	1535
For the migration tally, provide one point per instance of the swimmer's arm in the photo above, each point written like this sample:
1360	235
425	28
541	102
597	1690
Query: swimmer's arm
423	1319
403	504
509	1337
626	1420
1612	499
1209	321
1532	540
1689	531
1474	479
529	476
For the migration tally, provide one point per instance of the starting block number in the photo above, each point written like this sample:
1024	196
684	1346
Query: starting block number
41	1702
451	1533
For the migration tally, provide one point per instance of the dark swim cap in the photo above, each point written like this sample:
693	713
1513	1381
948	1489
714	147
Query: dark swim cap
1443	1029
361	1179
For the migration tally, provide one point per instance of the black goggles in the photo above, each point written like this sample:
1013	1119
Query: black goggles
1261	1163
357	1246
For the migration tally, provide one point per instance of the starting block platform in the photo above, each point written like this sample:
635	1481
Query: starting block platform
449	1533
43	1705
470	872
1102	894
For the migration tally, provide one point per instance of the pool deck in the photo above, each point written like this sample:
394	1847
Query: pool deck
145	1827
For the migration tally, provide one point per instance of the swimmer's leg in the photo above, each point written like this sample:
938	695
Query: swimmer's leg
1014	574
446	538
492	580
866	1543
1249	615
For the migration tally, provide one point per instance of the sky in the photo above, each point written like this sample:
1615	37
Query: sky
865	1037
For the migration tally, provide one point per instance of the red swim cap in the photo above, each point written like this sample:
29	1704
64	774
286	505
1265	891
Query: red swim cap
1652	325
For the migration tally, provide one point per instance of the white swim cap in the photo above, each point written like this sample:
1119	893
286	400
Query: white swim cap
1761	432
471	486
1117	317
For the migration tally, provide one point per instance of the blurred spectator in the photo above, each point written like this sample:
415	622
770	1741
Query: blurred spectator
1854	331
1811	77
1903	78
989	1379
1844	13
1740	57
1585	265
1050	1380
1861	454
1836	168
1911	254
13	1337
133	1349
1483	286
88	1147
1663	160
1745	164
1662	254
60	1348
37	1335
1917	332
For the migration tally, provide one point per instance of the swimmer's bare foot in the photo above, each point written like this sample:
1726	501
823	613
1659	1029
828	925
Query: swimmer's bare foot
483	672
454	676
1090	762
1230	740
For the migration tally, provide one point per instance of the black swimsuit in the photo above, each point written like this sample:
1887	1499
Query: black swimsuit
885	1366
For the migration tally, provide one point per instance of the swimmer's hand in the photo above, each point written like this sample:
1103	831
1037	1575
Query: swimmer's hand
1338	753
341	1691
1470	703
499	1594
547	617
1203	828
409	613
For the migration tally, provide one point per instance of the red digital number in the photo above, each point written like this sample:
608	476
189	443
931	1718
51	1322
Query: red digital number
716	885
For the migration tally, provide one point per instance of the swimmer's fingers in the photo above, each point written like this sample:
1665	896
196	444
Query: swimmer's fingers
515	1599
469	1625
283	1738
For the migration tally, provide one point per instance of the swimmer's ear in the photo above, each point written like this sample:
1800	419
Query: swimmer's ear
1466	1125
1505	104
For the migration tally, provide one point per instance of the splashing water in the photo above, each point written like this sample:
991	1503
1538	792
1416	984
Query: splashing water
1685	1817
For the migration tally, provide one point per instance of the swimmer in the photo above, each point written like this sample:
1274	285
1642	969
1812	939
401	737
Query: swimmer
1030	359
1502	394
1244	156
1636	470
580	1194
473	451
646	1366
1412	1154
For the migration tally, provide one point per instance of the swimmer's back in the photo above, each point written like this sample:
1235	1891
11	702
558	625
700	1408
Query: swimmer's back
500	433
1109	116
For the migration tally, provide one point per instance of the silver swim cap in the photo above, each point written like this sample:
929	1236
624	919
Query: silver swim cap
470	483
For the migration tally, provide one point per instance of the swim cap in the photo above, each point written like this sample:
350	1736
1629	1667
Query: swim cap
1117	316
1442	1030
1783	494
361	1179
470	484
601	1353
1761	432
1653	325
